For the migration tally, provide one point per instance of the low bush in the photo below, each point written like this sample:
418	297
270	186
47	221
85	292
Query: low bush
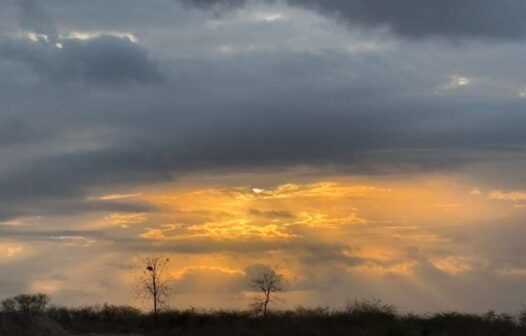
26	304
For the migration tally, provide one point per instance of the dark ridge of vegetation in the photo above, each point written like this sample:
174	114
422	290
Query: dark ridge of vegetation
362	318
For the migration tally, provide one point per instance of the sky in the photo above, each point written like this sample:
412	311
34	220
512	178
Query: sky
365	148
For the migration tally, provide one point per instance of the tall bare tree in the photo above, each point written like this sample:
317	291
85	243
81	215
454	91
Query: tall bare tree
268	282
153	283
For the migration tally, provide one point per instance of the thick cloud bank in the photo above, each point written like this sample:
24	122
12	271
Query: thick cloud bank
103	59
417	18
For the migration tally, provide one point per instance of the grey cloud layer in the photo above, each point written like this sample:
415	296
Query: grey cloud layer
104	60
416	18
219	114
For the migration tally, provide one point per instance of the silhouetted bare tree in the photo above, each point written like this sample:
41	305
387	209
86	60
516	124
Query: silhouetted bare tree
154	283
268	282
27	304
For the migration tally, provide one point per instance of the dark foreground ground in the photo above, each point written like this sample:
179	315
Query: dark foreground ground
361	319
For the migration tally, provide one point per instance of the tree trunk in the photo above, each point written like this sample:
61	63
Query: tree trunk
265	304
154	284
155	313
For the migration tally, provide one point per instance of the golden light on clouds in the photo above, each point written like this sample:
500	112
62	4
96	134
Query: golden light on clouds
10	250
125	220
323	233
507	196
113	197
325	209
241	228
232	213
45	286
376	223
454	265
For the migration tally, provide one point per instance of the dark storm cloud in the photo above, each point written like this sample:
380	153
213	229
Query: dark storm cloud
157	139
13	130
104	60
416	18
217	4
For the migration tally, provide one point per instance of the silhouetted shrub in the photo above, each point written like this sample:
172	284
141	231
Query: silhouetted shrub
119	314
105	318
26	304
8	305
364	309
522	318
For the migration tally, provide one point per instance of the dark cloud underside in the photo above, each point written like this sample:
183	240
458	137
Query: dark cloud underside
416	18
104	60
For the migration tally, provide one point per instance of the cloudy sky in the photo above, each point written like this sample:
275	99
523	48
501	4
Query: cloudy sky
367	148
